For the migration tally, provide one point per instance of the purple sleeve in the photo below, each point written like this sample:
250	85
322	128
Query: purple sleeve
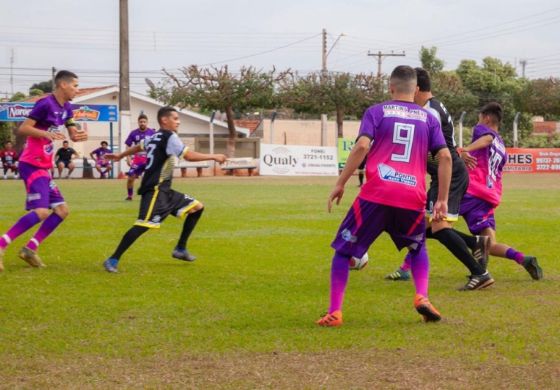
436	141
129	139
367	126
481	131
39	111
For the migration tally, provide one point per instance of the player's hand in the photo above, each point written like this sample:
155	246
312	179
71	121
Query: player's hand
469	160
220	158
440	211
79	135
336	193
112	156
54	135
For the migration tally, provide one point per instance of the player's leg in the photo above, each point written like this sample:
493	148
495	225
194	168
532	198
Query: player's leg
530	263
363	223
5	168
129	186
60	167
98	169
70	167
149	217
191	209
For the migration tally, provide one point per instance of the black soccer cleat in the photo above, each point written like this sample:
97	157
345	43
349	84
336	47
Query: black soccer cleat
532	266
182	254
481	251
478	282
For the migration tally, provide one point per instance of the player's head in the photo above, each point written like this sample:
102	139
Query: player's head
66	82
168	118
142	121
403	81
65	144
491	114
424	83
8	144
104	144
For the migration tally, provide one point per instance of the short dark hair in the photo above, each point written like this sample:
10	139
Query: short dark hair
164	112
423	80
64	142
403	78
64	75
142	116
493	110
104	143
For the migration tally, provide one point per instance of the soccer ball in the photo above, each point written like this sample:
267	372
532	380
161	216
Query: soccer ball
358	264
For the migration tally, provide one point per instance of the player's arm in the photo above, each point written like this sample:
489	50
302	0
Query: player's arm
128	152
190	155
481	143
357	155
76	135
28	129
92	156
444	180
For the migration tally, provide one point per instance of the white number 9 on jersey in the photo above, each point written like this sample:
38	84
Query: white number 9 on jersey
403	134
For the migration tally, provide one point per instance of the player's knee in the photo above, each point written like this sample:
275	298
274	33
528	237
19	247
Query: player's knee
42	213
62	210
198	207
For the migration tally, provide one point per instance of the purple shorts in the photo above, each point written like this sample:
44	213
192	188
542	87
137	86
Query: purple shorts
366	220
42	192
478	214
102	163
136	170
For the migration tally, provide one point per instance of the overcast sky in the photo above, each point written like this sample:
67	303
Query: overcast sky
82	35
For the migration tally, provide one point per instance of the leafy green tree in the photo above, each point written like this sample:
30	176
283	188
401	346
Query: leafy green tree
430	61
44	86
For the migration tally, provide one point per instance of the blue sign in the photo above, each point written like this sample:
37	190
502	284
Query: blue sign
18	112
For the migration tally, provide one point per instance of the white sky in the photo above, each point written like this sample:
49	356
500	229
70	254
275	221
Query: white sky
82	35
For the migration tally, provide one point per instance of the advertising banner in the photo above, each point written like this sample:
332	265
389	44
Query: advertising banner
296	160
522	160
345	145
18	112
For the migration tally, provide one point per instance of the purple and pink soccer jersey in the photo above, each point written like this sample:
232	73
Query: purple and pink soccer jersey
139	160
100	156
394	196
485	182
37	156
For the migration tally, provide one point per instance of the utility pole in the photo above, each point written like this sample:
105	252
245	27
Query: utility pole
124	78
380	57
53	74
12	72
523	65
324	54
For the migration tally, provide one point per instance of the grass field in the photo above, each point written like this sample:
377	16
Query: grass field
242	315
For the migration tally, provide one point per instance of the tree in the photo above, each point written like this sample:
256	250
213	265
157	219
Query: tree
45	86
339	93
17	97
542	97
429	60
219	89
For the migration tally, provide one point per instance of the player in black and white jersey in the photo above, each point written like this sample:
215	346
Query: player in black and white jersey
158	199
443	230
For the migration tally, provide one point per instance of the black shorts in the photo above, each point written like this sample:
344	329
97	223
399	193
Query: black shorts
156	205
457	189
65	162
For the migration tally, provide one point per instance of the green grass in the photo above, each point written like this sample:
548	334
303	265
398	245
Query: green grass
262	278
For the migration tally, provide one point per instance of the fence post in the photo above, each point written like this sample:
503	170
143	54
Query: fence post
515	124
461	118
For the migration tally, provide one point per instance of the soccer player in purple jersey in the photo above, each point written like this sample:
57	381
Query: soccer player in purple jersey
43	125
486	157
393	199
137	163
102	165
443	230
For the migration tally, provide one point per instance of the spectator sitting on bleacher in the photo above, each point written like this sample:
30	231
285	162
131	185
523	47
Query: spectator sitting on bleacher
63	159
102	165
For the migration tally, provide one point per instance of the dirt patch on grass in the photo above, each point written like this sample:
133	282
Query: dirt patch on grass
334	369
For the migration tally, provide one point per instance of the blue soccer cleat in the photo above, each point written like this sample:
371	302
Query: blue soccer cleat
182	254
111	265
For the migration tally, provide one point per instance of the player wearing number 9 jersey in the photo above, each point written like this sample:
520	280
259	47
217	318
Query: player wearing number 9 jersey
158	199
393	199
486	157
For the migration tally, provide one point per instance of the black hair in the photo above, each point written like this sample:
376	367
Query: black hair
423	80
164	112
104	142
142	116
493	110
403	77
64	142
64	75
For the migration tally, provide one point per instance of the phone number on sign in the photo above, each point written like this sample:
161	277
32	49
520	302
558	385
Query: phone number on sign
318	157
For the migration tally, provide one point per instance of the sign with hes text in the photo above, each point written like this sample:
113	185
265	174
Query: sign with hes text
522	160
292	160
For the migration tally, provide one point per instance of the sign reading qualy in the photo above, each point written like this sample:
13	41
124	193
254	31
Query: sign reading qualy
292	160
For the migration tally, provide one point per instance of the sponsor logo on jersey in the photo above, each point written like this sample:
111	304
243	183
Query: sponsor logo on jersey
348	236
388	173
